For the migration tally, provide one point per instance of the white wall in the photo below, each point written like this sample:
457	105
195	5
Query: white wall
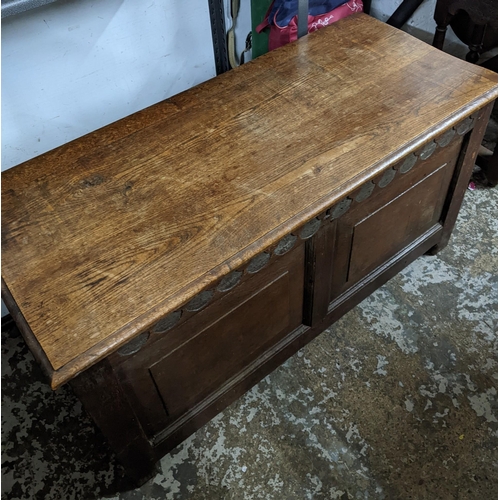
74	66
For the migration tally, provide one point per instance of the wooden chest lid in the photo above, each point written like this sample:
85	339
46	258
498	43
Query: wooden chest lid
105	235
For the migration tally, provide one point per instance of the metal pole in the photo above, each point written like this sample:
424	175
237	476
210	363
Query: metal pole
404	12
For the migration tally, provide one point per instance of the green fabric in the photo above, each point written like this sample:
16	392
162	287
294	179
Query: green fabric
259	40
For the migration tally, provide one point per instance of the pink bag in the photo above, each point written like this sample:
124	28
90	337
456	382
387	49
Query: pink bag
281	35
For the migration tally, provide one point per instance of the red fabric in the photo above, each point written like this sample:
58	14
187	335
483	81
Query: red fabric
279	36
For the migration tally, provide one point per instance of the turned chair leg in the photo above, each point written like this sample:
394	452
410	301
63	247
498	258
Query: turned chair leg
442	18
489	166
476	44
439	36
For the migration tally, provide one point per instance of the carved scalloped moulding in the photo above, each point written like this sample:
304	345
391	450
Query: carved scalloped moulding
306	231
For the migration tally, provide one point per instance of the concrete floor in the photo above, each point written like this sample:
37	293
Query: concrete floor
397	400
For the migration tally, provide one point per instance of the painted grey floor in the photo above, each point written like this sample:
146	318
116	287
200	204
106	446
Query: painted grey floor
397	400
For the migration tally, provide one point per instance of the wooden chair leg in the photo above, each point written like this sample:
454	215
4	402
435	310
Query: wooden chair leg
476	44
439	36
442	18
489	166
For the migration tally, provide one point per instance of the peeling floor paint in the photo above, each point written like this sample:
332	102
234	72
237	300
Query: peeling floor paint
396	400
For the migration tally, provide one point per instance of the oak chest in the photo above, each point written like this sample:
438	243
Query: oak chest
166	263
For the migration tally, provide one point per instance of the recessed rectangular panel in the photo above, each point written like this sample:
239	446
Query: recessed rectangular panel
198	367
203	356
386	231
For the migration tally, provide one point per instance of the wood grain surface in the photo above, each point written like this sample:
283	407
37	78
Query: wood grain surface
105	235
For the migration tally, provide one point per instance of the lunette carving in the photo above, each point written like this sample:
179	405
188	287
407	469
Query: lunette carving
310	229
339	209
446	138
427	150
365	191
464	126
387	177
167	322
200	301
133	345
229	281
408	163
258	262
285	244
